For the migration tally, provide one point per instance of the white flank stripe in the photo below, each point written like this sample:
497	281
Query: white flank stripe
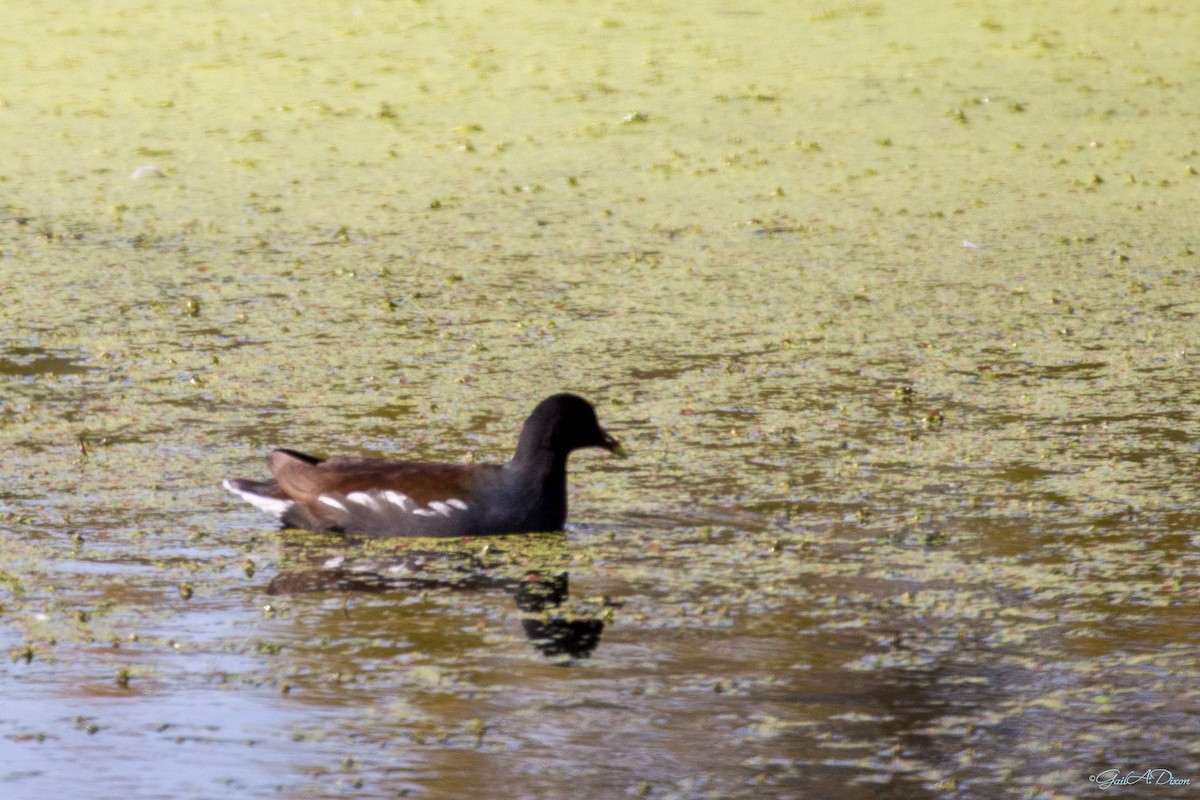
329	501
441	508
459	504
364	499
424	512
401	501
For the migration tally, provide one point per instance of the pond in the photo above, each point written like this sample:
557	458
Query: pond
893	304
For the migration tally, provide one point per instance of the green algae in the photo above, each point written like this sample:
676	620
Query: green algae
895	307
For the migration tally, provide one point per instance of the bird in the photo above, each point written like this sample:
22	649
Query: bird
379	498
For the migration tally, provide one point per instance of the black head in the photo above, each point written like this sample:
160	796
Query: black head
562	423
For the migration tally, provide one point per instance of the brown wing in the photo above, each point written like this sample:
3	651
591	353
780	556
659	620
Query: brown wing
379	497
424	483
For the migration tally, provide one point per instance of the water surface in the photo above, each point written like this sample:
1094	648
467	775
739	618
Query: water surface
895	305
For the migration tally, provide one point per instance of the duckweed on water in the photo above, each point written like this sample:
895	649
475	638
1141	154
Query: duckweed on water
898	329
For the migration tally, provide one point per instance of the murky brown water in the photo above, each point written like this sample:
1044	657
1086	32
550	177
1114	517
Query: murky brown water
895	305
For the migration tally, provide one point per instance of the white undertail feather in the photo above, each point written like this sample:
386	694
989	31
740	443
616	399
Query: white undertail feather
273	506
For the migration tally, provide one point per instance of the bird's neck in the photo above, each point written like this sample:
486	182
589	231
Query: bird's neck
543	481
539	468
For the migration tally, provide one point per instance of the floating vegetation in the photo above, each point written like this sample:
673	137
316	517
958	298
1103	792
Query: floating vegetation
898	330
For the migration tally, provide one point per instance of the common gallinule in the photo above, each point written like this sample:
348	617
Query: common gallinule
381	498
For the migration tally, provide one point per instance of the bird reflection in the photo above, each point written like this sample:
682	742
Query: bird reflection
535	577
